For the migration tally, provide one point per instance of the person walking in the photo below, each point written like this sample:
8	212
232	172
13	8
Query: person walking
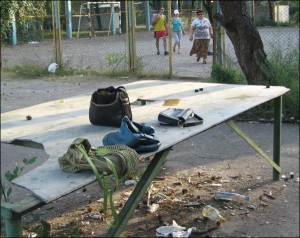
160	29
203	32
177	30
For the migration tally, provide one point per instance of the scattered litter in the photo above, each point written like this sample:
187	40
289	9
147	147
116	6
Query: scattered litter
100	200
177	183
52	67
216	185
85	223
129	182
127	194
212	213
224	181
95	216
269	195
153	208
33	42
291	175
165	231
192	204
251	207
224	195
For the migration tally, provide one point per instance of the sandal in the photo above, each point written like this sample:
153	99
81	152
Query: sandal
204	62
179	52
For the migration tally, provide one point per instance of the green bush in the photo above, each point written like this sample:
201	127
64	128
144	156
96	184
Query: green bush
229	75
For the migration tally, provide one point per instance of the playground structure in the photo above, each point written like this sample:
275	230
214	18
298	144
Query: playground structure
114	20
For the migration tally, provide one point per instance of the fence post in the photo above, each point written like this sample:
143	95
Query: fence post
68	19
56	33
148	20
14	30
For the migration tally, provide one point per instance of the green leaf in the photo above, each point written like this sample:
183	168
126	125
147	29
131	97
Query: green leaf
25	161
16	170
32	160
8	175
9	191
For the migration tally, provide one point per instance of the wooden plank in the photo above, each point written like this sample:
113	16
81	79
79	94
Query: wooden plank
56	125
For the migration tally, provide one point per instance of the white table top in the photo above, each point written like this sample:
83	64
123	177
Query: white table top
57	124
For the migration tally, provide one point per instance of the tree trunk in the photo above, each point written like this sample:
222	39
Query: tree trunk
246	40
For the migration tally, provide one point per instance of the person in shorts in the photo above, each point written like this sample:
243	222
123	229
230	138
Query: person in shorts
160	28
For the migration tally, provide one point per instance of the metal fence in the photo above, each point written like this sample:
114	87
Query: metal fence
104	46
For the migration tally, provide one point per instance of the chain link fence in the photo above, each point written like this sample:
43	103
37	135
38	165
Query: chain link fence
99	38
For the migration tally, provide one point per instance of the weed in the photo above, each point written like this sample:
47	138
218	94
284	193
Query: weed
10	176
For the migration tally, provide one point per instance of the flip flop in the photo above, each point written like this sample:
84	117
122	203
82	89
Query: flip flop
204	62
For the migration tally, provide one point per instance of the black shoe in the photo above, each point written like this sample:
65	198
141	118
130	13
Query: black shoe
166	53
158	53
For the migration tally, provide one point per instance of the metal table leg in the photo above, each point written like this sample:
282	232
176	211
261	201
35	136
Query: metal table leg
277	135
276	139
138	192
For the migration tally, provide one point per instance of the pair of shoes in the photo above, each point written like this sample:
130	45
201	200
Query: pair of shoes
158	53
198	59
166	53
174	49
204	62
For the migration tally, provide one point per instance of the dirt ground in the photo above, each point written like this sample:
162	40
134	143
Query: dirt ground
216	156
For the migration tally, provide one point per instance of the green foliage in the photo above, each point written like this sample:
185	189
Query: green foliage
285	62
22	10
112	59
221	74
6	190
264	21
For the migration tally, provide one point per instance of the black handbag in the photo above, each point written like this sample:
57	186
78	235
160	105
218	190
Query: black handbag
140	137
108	106
179	117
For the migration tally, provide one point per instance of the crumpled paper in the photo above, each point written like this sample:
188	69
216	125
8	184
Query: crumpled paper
175	230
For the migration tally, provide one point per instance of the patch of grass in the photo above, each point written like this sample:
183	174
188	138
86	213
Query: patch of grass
227	74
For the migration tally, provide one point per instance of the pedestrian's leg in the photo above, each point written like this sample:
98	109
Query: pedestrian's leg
179	41
165	45
174	47
157	45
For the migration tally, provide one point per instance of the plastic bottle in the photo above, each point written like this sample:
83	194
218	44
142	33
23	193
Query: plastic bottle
212	213
223	195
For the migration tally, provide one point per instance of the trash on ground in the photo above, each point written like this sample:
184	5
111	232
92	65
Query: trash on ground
52	67
129	182
192	204
153	208
212	213
269	195
165	231
291	175
224	195
198	233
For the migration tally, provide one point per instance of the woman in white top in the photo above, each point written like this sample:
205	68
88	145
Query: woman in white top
202	29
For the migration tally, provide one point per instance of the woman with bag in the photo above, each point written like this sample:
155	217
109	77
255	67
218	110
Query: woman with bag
177	30
203	32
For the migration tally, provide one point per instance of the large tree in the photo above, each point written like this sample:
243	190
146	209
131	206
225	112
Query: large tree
247	42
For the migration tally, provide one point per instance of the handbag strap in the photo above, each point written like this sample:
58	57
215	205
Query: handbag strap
194	123
104	186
